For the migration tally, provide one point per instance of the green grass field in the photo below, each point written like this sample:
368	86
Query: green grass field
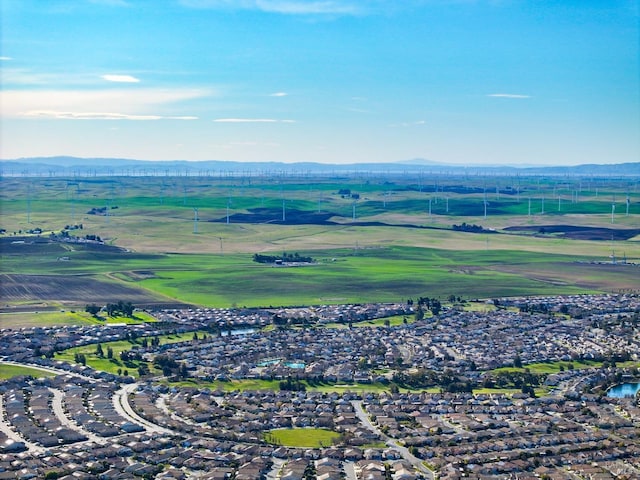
64	318
302	437
550	367
385	255
10	371
112	365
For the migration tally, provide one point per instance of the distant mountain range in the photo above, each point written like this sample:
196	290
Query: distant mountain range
75	166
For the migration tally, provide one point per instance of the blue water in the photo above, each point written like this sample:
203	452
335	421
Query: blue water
239	331
295	364
624	390
275	361
269	362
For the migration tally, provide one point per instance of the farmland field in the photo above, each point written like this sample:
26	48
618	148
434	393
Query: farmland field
374	239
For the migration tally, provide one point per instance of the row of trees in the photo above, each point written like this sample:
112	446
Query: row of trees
285	257
423	303
170	367
125	309
291	385
468	227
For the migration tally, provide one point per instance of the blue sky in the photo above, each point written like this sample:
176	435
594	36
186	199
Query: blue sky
335	81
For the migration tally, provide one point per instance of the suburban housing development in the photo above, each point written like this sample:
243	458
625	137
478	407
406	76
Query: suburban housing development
460	394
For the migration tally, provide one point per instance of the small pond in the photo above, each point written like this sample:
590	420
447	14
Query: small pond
624	390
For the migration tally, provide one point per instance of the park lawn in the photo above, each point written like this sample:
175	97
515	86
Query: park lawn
274	385
231	385
394	321
137	318
10	371
540	391
550	367
628	364
482	307
496	391
112	365
348	387
302	437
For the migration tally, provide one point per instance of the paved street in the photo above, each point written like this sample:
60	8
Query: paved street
390	442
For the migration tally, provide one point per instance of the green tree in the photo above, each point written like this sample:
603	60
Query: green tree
517	362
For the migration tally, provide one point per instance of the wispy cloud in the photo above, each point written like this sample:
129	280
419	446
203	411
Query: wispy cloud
279	94
508	95
120	78
5	59
121	103
409	124
252	120
27	76
358	110
98	116
287	7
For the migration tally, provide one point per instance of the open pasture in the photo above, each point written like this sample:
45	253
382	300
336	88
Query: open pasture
374	238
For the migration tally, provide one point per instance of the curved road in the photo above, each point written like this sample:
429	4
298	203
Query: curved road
390	442
120	402
124	409
58	411
12	435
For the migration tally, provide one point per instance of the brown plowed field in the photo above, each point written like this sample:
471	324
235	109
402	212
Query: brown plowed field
76	289
575	232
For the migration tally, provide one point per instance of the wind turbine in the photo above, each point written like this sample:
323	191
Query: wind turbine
195	220
29	203
485	204
613	210
628	203
284	211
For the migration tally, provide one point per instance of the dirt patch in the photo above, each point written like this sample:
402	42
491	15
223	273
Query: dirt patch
607	277
57	245
578	233
298	217
29	245
69	289
138	275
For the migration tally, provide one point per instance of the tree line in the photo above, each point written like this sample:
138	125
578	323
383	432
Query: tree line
285	257
124	309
